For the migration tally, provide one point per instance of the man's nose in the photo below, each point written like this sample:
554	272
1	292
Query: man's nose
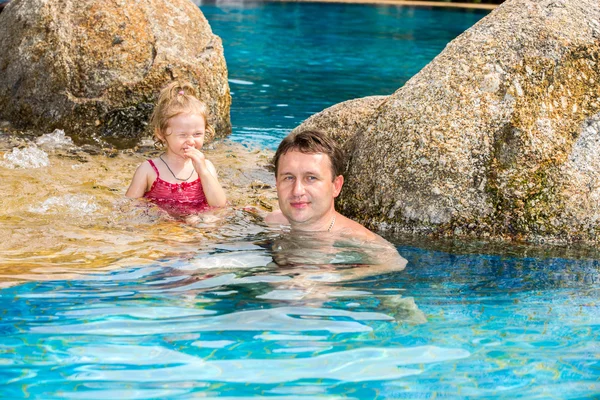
298	188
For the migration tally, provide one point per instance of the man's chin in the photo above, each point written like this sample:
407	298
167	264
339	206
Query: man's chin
297	217
297	220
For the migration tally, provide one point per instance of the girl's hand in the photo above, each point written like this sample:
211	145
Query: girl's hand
215	195
197	158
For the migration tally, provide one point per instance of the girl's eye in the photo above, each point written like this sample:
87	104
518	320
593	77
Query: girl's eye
199	134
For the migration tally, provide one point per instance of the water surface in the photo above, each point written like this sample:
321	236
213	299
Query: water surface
228	322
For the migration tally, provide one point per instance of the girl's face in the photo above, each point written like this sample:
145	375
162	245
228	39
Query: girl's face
183	131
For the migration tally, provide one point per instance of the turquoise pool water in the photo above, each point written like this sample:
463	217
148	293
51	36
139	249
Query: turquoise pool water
288	61
224	321
229	323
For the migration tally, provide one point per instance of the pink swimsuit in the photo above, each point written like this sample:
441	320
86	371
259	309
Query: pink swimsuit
177	198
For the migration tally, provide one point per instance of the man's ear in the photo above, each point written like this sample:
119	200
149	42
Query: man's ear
338	182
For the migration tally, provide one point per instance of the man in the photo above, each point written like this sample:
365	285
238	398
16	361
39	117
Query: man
308	174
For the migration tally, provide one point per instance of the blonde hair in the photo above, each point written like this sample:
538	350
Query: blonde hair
178	97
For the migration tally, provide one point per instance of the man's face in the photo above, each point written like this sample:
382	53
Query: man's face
306	189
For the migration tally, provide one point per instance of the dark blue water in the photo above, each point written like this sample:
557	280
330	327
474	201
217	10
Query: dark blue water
227	322
288	61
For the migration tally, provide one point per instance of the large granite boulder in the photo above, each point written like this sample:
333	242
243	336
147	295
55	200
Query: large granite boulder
497	136
344	121
95	67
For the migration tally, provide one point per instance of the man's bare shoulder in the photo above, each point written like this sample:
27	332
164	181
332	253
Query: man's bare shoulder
352	228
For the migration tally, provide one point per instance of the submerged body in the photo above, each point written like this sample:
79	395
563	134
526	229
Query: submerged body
177	199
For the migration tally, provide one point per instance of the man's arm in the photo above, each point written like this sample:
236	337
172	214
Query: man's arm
276	218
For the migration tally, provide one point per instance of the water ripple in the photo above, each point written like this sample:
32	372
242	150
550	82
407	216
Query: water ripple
298	319
358	365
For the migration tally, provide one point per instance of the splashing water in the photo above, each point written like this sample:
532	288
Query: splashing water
56	139
76	204
29	157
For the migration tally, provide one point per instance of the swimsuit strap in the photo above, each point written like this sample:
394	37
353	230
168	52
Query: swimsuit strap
154	167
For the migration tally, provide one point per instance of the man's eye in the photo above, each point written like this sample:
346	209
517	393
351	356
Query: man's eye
311	178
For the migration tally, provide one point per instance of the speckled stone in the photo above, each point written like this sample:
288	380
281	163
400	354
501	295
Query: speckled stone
344	121
497	137
95	67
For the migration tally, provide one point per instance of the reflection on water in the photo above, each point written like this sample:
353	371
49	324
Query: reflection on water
227	321
317	248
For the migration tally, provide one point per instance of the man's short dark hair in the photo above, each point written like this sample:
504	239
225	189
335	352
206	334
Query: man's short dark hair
312	142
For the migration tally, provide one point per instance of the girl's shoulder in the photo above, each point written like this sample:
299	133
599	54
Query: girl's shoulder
151	161
148	167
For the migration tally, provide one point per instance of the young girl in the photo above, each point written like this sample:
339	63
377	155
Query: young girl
181	180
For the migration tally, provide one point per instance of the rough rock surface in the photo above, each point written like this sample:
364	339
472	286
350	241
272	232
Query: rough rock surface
498	136
344	120
95	67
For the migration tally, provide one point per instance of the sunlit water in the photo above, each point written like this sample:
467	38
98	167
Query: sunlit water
107	298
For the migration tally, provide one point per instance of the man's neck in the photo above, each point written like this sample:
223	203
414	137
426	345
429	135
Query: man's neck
324	224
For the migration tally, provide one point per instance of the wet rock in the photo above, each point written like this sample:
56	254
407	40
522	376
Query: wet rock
259	185
95	67
497	137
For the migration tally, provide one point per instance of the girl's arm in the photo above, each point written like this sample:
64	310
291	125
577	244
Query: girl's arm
215	195
139	183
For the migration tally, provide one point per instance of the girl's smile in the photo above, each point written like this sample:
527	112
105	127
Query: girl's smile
185	131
